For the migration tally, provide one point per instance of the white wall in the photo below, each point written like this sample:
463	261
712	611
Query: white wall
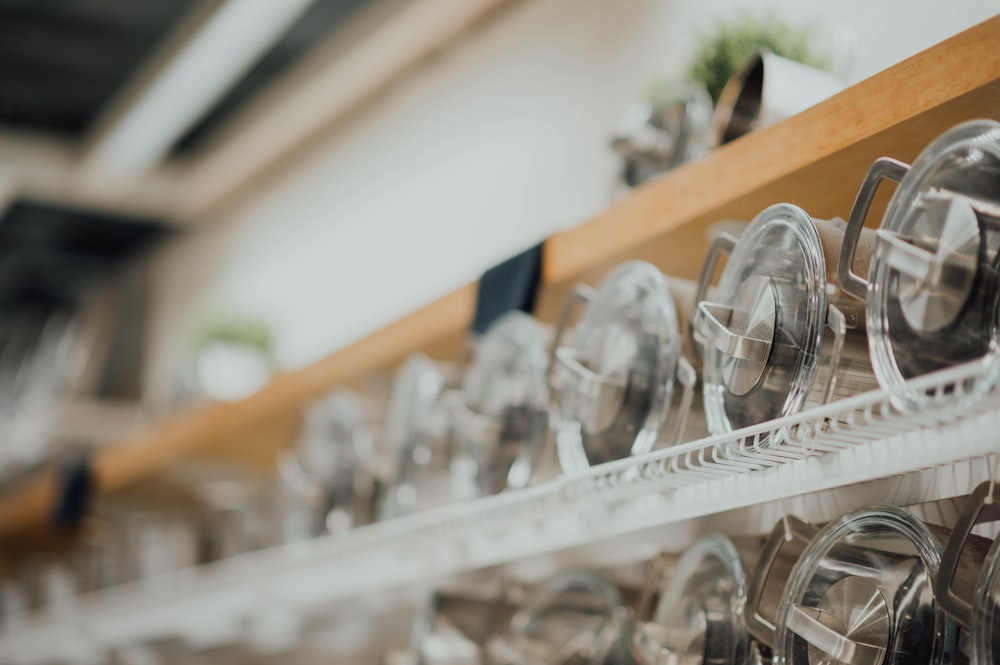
485	150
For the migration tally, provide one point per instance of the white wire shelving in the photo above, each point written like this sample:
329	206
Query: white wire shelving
816	464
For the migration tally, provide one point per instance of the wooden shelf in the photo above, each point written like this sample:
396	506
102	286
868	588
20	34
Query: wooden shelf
816	160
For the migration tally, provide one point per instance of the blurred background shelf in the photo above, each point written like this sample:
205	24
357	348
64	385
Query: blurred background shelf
816	160
835	458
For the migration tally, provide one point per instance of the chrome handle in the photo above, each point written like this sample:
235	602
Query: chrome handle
837	323
582	293
569	434
687	377
657	574
840	647
786	530
711	325
597	388
474	427
883	168
724	243
983	505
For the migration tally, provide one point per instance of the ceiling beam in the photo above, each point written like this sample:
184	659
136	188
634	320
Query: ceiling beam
323	88
48	169
194	68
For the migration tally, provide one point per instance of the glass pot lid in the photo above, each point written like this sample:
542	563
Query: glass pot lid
578	618
933	286
760	334
614	376
862	593
408	429
322	479
415	390
501	417
699	617
336	439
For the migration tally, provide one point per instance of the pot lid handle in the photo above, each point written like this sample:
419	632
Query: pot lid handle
711	325
921	264
840	647
884	168
687	377
724	243
581	294
594	387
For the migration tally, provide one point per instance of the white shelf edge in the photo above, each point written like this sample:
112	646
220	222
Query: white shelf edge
218	603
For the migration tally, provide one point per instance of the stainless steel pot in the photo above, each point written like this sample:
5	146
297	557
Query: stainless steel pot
699	614
500	416
766	90
775	338
968	585
931	290
656	136
612	376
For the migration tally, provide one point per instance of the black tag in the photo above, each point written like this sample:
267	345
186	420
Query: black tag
512	285
76	487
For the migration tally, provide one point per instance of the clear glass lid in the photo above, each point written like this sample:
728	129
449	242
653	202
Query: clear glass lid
415	390
408	431
933	283
336	439
761	333
862	594
986	611
576	619
502	416
699	617
614	376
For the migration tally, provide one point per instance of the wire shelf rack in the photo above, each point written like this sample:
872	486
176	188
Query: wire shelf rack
877	436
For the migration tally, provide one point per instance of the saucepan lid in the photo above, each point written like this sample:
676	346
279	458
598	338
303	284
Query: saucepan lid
614	375
699	617
408	428
933	295
501	417
336	438
577	618
863	593
415	390
760	334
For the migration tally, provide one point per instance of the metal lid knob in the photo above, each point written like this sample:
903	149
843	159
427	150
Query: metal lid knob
742	333
850	625
937	259
596	397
